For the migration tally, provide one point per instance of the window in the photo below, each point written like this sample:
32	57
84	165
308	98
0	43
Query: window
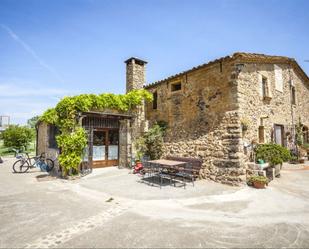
53	131
265	88
176	86
261	134
278	79
293	97
155	101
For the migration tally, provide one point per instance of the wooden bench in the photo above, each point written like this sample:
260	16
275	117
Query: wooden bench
190	171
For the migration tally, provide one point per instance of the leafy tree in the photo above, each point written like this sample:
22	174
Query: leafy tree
32	121
18	137
151	143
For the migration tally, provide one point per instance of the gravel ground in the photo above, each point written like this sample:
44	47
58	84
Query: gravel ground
114	208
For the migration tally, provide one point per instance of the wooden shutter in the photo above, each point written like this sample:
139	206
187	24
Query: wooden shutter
278	78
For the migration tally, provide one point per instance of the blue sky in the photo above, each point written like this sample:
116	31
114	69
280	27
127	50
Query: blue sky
50	49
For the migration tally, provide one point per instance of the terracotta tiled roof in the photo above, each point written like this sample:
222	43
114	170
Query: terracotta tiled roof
246	57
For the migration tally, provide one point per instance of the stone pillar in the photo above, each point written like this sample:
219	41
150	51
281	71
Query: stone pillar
125	143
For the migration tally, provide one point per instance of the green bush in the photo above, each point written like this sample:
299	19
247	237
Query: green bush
151	143
17	137
272	153
72	146
260	179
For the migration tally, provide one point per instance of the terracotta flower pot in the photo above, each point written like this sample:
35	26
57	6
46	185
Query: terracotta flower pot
259	184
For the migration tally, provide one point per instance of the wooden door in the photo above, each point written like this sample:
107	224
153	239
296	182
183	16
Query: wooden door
278	130
105	147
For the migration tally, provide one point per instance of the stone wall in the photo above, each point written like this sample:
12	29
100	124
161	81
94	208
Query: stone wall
125	143
43	144
203	120
278	109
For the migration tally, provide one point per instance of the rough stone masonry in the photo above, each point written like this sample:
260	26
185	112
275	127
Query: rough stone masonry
205	109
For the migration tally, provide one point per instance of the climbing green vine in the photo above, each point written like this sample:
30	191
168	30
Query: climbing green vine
65	116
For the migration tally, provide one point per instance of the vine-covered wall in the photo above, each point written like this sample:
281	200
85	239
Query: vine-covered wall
66	116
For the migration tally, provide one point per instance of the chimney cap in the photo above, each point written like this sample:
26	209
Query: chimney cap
137	61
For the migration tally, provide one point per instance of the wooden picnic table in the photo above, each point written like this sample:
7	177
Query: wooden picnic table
167	163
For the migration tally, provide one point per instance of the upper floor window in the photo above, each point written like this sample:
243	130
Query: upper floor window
155	101
278	78
265	88
176	86
293	95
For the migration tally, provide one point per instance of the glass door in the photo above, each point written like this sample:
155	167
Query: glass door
113	141
105	148
99	145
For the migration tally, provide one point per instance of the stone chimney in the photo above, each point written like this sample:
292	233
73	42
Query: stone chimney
135	73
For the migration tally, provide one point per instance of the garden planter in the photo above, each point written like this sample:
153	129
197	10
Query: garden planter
259	185
277	167
302	160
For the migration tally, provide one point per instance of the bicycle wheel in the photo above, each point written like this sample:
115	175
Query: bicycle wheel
21	166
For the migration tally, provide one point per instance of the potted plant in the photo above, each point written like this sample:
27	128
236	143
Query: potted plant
294	160
274	154
140	147
258	181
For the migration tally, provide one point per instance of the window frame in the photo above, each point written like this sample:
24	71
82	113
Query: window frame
293	95
172	84
155	100
265	88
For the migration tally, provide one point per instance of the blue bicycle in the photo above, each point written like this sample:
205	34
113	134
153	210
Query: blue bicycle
26	162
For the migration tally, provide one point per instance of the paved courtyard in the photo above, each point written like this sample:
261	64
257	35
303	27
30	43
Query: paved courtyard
113	208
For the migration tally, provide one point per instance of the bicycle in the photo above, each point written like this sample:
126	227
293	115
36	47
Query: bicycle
26	162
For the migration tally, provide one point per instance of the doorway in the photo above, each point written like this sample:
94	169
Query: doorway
278	130
105	147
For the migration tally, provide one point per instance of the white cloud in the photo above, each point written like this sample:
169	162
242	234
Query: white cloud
10	90
31	51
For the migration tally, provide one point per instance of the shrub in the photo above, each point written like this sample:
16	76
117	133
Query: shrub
17	137
260	179
72	146
151	143
272	153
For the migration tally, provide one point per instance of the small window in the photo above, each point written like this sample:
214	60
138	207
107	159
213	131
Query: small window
265	88
155	101
293	97
278	79
176	87
53	131
261	134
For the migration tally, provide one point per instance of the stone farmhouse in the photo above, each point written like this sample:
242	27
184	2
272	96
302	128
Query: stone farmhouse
214	111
